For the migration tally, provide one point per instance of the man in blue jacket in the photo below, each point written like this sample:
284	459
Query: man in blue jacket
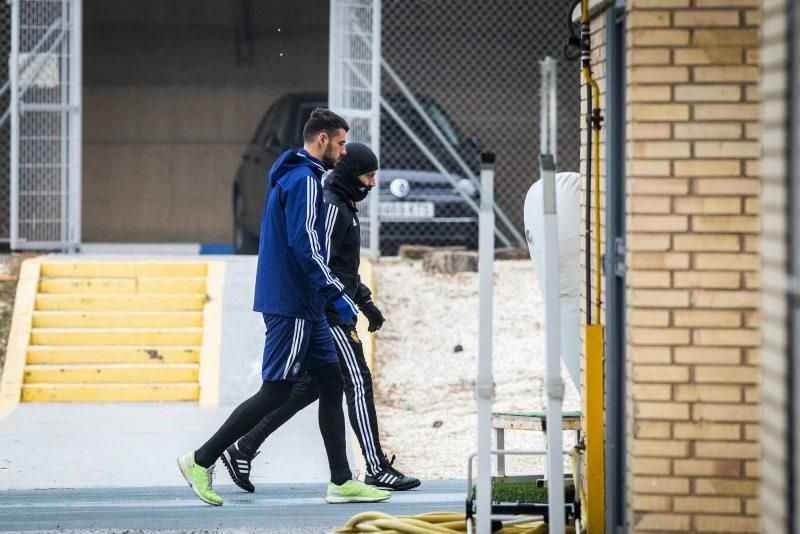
293	286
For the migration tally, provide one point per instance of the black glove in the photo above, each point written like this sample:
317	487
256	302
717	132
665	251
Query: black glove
373	315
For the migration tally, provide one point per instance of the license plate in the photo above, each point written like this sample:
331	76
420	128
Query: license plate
406	210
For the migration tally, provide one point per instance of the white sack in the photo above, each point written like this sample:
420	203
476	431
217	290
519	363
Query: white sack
568	210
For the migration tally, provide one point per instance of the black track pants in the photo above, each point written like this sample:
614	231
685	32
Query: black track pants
328	382
357	390
269	397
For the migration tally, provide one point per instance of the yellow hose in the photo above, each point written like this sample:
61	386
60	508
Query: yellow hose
445	522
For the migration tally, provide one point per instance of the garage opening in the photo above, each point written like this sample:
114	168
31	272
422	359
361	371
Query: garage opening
173	92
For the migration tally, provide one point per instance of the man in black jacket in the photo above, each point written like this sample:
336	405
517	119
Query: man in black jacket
348	183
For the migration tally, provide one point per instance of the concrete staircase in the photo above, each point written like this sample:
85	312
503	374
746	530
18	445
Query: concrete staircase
116	331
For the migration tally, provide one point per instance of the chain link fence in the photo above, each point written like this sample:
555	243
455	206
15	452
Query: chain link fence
458	78
5	126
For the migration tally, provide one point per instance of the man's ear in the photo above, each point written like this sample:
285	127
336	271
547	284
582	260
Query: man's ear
323	139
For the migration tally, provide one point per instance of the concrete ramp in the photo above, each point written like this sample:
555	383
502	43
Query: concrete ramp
134	444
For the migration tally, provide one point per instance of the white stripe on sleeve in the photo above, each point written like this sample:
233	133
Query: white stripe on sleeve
333	211
311	219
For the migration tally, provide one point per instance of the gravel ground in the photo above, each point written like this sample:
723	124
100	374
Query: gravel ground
426	364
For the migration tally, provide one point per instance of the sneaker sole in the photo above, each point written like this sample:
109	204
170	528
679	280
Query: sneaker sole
411	487
342	500
188	480
387	488
226	461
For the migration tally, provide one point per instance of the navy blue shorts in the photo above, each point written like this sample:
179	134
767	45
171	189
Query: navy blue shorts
292	345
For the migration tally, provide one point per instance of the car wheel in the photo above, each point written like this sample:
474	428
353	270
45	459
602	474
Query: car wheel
243	241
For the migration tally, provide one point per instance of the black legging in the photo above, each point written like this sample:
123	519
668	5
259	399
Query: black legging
357	390
303	394
273	395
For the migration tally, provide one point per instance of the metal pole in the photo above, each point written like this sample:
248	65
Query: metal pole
552	68
483	386
555	386
793	264
76	119
615	495
333	51
64	169
13	69
375	126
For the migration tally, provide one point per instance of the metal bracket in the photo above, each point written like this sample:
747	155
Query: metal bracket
619	257
483	391
555	389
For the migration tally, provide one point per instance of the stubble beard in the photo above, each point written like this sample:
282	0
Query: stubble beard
330	158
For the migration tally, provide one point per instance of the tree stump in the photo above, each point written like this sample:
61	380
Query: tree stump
450	261
414	252
512	253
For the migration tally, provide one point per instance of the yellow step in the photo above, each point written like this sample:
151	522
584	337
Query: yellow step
123	286
109	319
140	302
118	392
103	354
88	285
116	336
110	373
115	269
172	285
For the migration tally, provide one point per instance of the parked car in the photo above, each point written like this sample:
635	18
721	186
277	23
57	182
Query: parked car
418	205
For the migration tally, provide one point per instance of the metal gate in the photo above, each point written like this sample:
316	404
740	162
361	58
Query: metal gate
354	88
45	118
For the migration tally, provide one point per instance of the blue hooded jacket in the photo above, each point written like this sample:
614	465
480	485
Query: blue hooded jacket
293	279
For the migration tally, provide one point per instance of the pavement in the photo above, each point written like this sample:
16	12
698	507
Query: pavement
112	466
272	508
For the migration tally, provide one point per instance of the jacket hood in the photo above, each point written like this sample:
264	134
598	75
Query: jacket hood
291	159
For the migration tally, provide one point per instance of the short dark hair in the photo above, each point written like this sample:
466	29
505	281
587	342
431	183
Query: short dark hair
323	120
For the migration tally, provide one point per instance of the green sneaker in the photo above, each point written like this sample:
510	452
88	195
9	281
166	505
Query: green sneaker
355	491
199	479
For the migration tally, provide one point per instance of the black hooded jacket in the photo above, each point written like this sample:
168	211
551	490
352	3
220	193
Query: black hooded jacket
343	244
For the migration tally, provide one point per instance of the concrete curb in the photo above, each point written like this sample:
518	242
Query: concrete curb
212	335
19	336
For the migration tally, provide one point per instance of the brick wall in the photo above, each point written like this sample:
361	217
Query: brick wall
773	351
693	264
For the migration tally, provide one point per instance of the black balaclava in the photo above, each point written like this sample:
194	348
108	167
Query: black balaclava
358	160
